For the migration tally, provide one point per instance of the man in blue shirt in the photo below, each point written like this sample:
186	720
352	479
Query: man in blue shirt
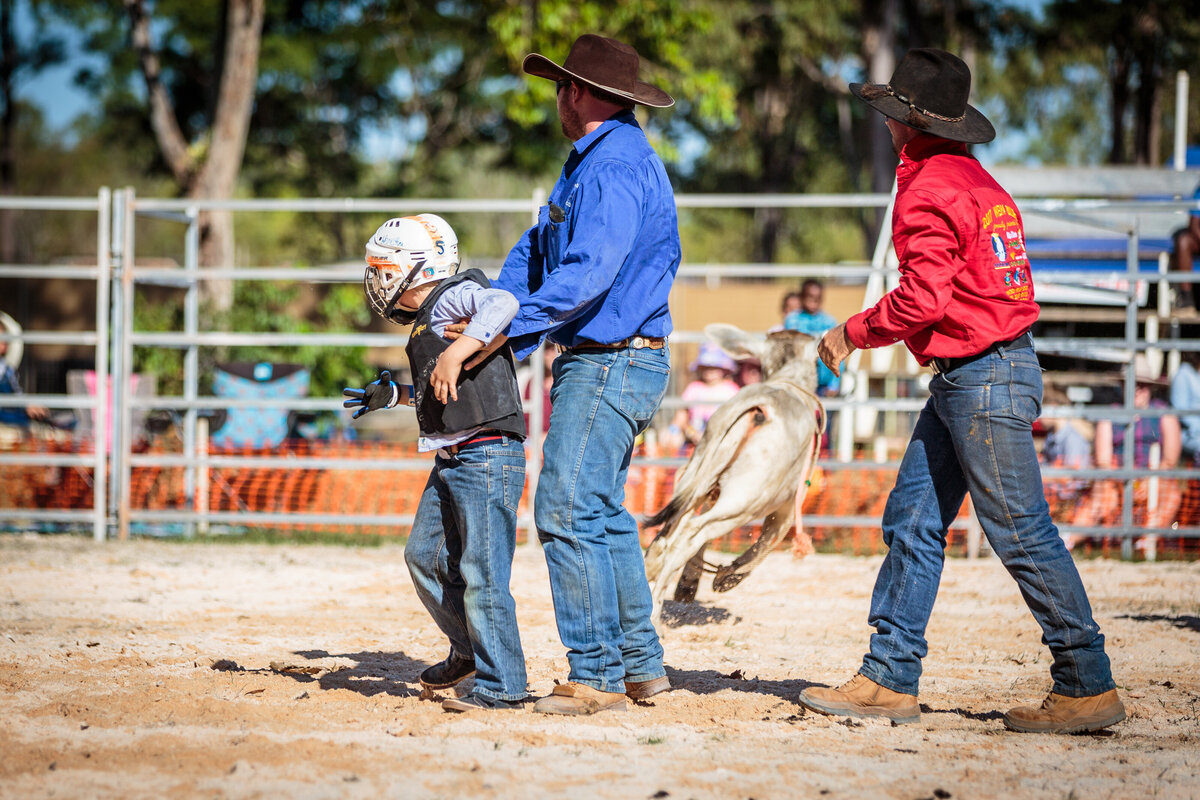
593	276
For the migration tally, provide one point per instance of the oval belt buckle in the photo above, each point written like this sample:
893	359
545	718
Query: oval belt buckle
637	343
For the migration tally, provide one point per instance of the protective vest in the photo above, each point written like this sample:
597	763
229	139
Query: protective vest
487	394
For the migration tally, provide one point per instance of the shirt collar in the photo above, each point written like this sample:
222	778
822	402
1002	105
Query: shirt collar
624	117
924	145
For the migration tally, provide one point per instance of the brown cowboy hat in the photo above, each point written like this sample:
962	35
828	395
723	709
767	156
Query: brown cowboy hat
928	91
604	63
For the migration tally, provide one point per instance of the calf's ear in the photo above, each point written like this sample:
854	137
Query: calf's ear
735	341
810	349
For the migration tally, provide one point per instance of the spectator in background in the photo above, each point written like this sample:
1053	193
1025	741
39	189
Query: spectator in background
810	318
1156	445
749	370
1068	444
791	304
1185	396
1068	441
1185	247
712	386
15	416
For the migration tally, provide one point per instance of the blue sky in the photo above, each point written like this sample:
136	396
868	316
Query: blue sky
52	89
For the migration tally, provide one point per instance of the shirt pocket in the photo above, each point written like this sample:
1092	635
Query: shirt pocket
552	236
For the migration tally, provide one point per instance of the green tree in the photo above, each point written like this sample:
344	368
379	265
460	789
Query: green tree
1089	81
781	61
18	62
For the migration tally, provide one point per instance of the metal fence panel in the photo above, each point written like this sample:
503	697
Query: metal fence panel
117	276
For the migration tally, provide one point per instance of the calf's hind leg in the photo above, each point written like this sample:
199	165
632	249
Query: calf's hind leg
689	581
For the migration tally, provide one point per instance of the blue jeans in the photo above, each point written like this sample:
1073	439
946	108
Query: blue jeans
460	554
601	400
975	435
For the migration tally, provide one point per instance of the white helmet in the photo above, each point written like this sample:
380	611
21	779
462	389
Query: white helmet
404	253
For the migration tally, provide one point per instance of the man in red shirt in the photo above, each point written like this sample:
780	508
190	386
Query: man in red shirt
963	307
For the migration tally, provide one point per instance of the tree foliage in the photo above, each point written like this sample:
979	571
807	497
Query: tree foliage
1092	81
762	106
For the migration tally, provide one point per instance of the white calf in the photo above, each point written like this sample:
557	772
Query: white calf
754	460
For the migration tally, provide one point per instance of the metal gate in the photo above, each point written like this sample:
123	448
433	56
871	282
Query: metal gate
116	275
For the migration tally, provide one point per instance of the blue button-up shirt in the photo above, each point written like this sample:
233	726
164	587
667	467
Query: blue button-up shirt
600	262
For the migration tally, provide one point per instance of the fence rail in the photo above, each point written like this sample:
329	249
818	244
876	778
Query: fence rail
116	464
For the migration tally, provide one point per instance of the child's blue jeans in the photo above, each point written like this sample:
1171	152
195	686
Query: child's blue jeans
460	554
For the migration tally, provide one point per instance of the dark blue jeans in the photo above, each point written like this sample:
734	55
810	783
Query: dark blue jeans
975	435
601	401
460	554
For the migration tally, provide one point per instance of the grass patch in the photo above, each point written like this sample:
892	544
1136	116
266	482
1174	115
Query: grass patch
274	536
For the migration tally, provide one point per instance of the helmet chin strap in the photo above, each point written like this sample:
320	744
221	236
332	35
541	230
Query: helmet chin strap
403	287
394	310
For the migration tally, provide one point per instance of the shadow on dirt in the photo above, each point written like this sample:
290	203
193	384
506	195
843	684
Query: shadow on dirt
675	614
709	681
978	716
371	673
1184	621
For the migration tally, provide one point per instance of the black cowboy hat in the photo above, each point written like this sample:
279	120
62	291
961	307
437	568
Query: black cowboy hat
928	91
604	63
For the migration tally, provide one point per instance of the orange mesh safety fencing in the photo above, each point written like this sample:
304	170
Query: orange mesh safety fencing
349	491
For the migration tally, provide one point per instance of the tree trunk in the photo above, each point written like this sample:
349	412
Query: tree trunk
1119	87
1148	126
1146	106
216	178
8	132
231	125
879	57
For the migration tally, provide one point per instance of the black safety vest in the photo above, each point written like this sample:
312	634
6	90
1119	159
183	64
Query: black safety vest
487	394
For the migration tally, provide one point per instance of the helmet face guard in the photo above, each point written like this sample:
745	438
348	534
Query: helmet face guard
383	294
407	252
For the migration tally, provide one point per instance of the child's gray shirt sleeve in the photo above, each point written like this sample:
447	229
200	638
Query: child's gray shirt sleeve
489	310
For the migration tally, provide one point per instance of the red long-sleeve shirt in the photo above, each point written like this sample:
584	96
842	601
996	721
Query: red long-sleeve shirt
965	282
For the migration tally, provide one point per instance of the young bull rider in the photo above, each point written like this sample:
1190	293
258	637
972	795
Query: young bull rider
461	546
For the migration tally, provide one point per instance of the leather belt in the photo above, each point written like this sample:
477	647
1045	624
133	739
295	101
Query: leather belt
479	439
634	343
1018	342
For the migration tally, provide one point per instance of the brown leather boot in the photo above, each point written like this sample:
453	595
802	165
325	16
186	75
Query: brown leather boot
1062	714
642	690
862	697
577	699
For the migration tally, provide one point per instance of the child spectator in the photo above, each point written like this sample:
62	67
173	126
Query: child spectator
713	385
749	370
811	319
1068	444
1156	445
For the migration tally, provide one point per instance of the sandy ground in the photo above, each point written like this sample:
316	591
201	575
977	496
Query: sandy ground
152	669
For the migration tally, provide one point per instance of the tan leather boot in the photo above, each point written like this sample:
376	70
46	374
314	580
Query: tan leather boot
862	697
1062	714
642	690
578	699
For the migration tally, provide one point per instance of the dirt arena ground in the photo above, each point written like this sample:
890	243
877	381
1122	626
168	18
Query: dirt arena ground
152	669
